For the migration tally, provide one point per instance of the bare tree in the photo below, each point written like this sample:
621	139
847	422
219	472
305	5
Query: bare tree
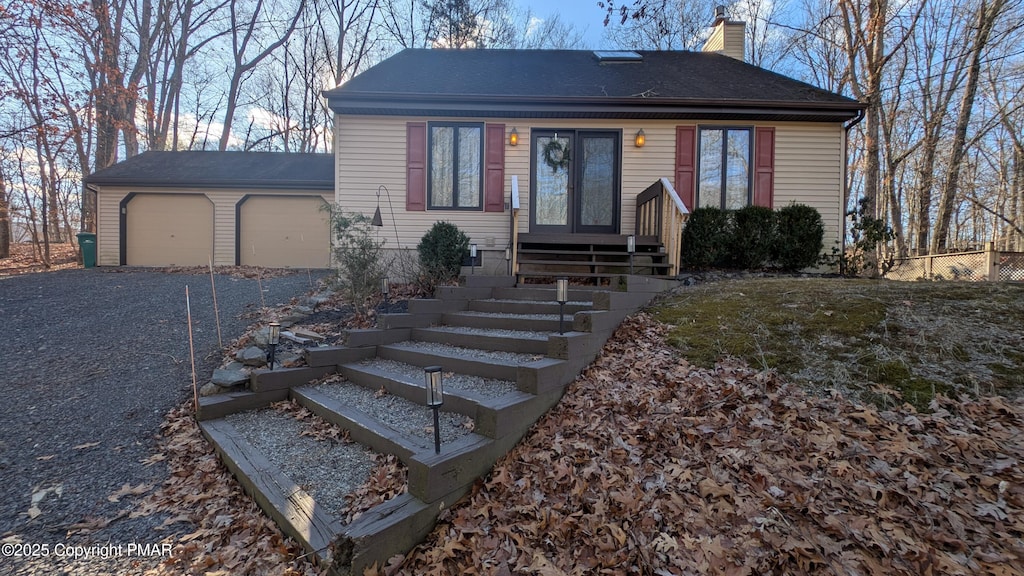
5	216
656	24
188	29
250	31
987	14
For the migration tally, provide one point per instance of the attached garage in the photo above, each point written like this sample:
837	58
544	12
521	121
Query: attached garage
283	231
240	208
168	229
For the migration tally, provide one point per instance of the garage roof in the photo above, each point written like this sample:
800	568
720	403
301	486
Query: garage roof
267	170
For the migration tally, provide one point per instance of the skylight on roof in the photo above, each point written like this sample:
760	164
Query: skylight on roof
617	56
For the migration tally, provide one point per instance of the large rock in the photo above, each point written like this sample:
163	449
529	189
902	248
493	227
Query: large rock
210	389
321	298
285	358
252	356
295	315
261	337
229	378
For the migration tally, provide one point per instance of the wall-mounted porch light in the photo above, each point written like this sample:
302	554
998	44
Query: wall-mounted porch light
273	339
640	139
435	398
513	138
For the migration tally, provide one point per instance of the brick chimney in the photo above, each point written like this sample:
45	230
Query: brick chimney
727	37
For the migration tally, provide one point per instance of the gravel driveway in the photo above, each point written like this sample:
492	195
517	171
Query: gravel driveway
91	360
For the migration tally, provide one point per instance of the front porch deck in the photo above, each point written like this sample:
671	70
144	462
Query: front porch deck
597	258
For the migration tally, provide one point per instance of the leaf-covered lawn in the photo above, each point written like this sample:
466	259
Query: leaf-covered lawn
652	465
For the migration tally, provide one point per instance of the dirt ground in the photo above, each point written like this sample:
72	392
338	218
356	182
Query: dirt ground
25	259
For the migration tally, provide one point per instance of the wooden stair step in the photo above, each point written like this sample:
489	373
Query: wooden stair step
385	422
500	321
489	364
504	340
545	293
508	306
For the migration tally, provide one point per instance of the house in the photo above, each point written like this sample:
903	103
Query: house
236	208
547	159
589	146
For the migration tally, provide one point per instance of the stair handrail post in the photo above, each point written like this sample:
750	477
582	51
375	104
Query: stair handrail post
675	214
631	249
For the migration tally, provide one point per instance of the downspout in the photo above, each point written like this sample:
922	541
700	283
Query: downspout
846	168
95	207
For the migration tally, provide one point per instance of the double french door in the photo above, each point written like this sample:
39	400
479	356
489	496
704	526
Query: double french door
575	181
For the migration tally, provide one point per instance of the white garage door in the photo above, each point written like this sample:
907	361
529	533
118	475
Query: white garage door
284	232
168	230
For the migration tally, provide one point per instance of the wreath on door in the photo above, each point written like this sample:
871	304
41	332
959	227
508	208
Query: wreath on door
556	155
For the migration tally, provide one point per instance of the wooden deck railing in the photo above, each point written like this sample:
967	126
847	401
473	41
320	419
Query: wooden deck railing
659	212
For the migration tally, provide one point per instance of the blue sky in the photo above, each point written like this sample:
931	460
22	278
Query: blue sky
584	14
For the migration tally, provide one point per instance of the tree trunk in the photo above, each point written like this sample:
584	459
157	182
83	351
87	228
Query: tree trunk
107	85
987	16
5	219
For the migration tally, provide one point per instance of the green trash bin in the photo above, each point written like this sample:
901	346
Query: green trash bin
87	242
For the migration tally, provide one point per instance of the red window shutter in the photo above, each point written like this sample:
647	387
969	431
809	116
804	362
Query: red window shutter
764	166
686	164
416	166
494	168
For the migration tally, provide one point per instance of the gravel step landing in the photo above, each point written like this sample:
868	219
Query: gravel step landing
379	372
404	416
544	293
507	306
529	322
327	470
484	363
522	341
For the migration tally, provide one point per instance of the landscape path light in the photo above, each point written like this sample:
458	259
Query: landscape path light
385	287
561	296
273	339
434	381
472	258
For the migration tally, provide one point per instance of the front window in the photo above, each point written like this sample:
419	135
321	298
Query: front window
724	168
456	166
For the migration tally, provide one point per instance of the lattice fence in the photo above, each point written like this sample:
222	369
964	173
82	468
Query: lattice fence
987	264
1011	266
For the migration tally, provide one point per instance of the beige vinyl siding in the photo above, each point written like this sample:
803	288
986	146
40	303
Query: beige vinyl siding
727	38
108	227
809	170
224	218
371	153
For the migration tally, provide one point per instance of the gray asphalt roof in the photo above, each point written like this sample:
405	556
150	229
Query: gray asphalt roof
221	169
659	77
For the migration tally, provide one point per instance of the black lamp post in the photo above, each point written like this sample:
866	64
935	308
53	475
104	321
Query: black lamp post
472	258
435	397
274	338
561	296
631	248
